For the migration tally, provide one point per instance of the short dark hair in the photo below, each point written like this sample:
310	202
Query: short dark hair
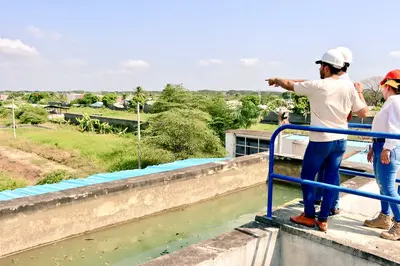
346	66
332	69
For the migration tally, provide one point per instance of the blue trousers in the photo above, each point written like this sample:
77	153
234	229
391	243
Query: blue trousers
385	175
316	154
320	191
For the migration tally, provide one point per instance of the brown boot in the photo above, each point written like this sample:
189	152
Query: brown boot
382	221
393	233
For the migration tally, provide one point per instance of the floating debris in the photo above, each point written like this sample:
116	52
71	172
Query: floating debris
164	252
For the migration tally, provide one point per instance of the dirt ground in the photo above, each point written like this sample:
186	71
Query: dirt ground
28	166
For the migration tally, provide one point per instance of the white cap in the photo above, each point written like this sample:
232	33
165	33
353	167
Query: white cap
347	54
332	57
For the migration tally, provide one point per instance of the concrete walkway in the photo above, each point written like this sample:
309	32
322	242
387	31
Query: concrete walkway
346	231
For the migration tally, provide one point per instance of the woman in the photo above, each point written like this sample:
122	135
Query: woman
385	154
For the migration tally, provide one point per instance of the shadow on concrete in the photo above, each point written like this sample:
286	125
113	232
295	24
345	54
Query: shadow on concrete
345	232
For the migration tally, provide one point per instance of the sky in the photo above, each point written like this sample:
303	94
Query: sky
204	44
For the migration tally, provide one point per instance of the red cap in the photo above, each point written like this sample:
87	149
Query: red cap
394	74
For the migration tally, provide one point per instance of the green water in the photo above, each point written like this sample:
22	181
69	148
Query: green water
144	239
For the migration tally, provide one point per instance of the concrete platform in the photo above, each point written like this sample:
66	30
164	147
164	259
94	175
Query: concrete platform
346	233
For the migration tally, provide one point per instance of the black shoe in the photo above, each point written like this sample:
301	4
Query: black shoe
331	213
334	212
317	202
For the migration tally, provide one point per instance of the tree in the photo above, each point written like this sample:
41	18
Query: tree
177	96
15	95
109	99
35	97
372	91
185	133
139	97
222	116
249	112
87	99
301	104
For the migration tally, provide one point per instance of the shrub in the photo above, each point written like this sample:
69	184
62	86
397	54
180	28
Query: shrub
4	112
29	114
59	120
29	108
128	158
55	177
8	183
32	118
183	132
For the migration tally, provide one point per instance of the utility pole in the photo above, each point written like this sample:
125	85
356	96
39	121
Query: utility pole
138	133
13	120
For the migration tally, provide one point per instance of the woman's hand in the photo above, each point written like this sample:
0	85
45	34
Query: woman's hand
359	87
370	154
385	156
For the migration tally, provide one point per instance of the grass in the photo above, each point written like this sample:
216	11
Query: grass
55	177
8	182
108	113
88	153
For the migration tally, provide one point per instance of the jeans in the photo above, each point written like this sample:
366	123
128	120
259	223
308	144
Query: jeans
385	175
320	191
316	154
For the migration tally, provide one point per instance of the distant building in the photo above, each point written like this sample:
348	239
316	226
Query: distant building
97	105
74	96
3	97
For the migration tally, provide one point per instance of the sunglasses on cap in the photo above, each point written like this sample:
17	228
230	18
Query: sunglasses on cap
392	83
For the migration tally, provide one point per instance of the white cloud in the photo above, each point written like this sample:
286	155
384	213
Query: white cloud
211	61
249	61
16	47
42	34
132	64
395	54
74	62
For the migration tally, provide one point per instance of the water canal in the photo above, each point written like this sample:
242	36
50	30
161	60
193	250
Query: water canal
141	240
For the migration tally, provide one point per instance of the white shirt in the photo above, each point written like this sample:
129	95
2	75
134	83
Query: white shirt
331	101
388	120
345	76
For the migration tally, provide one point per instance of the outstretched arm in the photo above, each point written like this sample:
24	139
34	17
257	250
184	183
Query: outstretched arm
286	84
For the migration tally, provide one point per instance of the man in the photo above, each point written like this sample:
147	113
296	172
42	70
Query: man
331	100
348	59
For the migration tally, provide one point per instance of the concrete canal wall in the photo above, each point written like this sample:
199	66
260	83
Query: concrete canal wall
36	220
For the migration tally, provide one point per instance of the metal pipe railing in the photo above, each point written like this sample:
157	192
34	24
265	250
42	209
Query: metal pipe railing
272	175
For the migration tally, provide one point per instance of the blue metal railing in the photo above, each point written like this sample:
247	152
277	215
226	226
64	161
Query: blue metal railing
272	175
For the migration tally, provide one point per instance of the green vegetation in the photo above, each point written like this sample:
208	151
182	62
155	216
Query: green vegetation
185	133
109	99
55	177
108	113
28	114
181	124
8	183
87	99
94	125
